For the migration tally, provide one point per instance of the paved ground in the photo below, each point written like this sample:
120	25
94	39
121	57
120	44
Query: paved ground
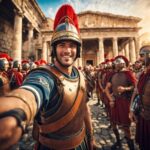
103	135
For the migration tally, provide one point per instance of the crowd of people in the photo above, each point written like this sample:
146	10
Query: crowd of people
54	96
123	89
13	72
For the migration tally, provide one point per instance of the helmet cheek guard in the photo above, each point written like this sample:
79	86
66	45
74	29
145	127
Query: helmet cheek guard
65	28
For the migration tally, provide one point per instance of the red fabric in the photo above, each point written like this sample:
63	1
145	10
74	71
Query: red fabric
143	78
24	61
5	55
64	12
42	61
131	77
120	112
18	77
143	133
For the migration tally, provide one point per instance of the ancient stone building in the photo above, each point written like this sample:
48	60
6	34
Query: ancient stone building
104	36
25	33
20	28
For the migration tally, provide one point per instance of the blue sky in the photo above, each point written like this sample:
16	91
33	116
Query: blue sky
137	8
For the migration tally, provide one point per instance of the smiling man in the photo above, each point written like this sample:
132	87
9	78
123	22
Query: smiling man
53	96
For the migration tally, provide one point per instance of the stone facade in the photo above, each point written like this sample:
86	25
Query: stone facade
6	36
104	36
25	33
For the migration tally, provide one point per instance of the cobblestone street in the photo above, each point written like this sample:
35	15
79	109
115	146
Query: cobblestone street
103	134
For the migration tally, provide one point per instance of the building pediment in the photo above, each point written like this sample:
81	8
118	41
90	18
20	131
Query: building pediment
91	19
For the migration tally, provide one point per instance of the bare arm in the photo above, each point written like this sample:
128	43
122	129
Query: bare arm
89	128
10	128
109	95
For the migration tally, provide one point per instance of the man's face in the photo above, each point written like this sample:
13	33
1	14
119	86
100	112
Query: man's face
66	52
143	54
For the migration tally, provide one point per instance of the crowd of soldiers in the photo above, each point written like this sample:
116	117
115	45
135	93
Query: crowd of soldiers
123	89
116	83
57	94
13	72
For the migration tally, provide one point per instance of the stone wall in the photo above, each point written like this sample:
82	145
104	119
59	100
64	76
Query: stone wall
6	36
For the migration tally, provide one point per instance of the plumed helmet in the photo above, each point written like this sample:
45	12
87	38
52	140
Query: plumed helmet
16	64
4	61
66	28
120	59
25	65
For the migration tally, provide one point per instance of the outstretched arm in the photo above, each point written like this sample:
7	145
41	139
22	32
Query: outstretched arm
16	110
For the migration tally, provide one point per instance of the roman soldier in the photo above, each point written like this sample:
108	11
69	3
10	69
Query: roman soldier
140	106
56	96
4	78
16	78
121	85
25	68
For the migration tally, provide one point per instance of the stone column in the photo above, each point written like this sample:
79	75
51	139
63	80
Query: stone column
123	51
44	49
17	39
100	53
80	59
30	39
137	47
127	51
132	50
115	46
49	53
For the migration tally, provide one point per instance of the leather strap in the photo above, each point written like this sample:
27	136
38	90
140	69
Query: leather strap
52	127
63	144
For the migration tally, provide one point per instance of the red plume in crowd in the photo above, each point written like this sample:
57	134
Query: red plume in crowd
5	55
24	61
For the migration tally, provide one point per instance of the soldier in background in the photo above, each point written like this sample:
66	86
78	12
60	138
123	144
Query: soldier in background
4	78
140	106
16	78
121	83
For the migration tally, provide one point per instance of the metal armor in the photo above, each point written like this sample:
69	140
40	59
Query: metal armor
67	122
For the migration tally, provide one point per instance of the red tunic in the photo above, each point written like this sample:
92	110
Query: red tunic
143	126
120	112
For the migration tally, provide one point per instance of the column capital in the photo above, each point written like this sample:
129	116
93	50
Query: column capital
101	38
114	38
30	26
131	38
19	13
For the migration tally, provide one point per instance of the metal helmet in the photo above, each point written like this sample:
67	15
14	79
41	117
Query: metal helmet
121	60
4	61
25	65
16	64
65	28
145	48
4	64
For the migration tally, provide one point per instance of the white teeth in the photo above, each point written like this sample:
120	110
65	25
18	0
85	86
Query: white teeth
66	56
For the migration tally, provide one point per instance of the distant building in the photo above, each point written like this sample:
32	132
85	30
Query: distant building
25	32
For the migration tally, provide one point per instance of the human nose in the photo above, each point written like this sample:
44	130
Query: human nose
67	50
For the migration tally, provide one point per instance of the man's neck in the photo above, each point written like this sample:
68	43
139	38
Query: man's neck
66	70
